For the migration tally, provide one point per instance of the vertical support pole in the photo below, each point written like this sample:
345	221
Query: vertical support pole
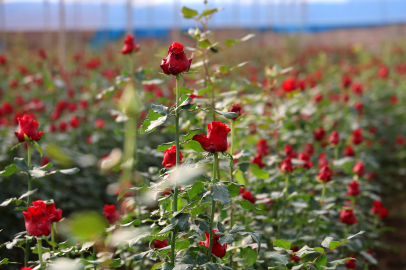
129	14
62	35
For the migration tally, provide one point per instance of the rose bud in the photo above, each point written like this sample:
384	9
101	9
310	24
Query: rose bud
63	126
319	134
359	107
262	147
26	268
42	54
217	249
359	168
159	244
7	108
371	176
288	150
247	195
346	81
308	148
3	60
54	214
37	219
393	99
349	151
347	216
216	140
294	257
376	207
301	84
400	140
317	98
334	137
383	72
74	122
357	137
351	264
383	213
325	174
29	127
353	188
99	123
236	109
169	158
357	89
177	61
129	45
303	156
286	165
258	160
289	84
110	213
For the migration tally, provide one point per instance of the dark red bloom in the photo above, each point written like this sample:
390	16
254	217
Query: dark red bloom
372	130
308	148
110	213
42	54
289	84
74	122
347	216
29	127
262	147
400	140
303	156
7	108
349	151
216	139
286	165
319	134
359	107
3	60
353	188
318	97
359	168
325	174
376	207
393	99
26	268
237	109
129	45
357	137
177	61
37	219
294	257
258	160
351	264
159	244
63	126
357	89
247	195
169	158
44	161
99	123
346	81
93	63
383	72
54	214
383	213
288	150
334	137
217	249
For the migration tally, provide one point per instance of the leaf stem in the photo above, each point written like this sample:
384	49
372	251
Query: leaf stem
53	235
213	207
231	168
323	192
27	245
39	239
284	203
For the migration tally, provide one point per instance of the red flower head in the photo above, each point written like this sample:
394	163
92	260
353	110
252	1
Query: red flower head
351	264
383	72
99	123
37	219
376	207
262	147
169	158
159	244
353	188
26	268
349	151
93	63
346	81
357	89
288	150
237	109
177	61
393	99
74	122
308	148
247	195
216	140
325	174
359	107
383	213
63	126
334	137
29	127
372	130
359	168
318	97
258	160
301	84
286	165
129	45
44	161
54	214
7	108
319	134
303	156
357	137
217	249
289	84
294	257
110	213
400	140
3	60
347	216
42	54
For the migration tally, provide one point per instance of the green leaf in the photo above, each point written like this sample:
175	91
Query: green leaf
152	121
134	241
322	261
161	109
37	173
247	37
319	249
165	146
142	255
229	42
282	244
224	69
191	134
220	193
21	164
180	220
28	193
9	170
234	189
202	225
258	172
208	12
38	148
247	205
204	43
197	188
4	261
188	13
334	244
279	258
369	257
361	232
167	229
182	244
204	90
194	145
239	175
236	229
326	242
244	166
249	256
69	171
226	239
125	190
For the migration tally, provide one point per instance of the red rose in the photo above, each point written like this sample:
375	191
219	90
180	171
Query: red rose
93	63
308	147
325	174
359	168
42	54
286	165
63	126
217	249
400	140
44	161
159	244
258	160
393	99
37	219
372	130
288	150
301	84
317	98
346	81
353	188
177	61
319	134
54	214
74	122
357	137
26	268
349	151
376	207
236	109
294	257
110	213
99	123
216	139
383	72
169	158
7	108
334	137
351	264
247	195
3	60
303	156
289	84
347	216
383	213
359	107
83	104
357	89
29	127
371	176
262	147
129	45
